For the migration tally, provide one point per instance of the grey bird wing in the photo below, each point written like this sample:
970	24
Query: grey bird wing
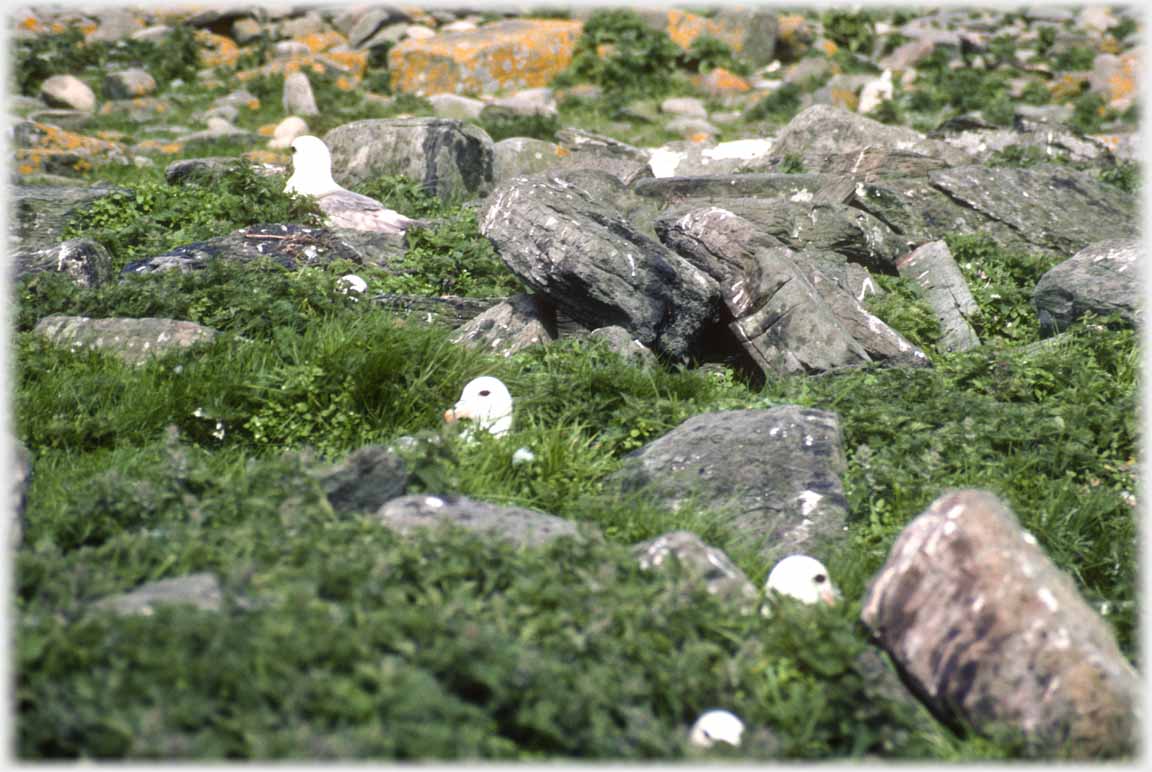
346	209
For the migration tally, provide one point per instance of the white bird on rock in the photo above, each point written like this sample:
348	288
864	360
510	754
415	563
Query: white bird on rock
804	579
312	176
716	726
487	403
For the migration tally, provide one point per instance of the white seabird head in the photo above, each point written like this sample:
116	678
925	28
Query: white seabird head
311	167
803	578
716	726
486	401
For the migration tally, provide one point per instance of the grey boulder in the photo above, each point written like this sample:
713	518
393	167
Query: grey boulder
523	527
772	476
991	635
1103	278
365	480
510	326
701	566
132	340
201	591
86	262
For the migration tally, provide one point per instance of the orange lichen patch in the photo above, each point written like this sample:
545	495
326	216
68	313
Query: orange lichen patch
110	136
721	82
844	97
604	50
1122	83
48	137
264	157
418	16
355	61
344	83
1110	141
57	27
1068	85
253	103
317	68
217	49
321	41
89	28
31	23
562	151
829	47
700	136
27	168
684	28
267	130
792	29
167	148
510	55
137	105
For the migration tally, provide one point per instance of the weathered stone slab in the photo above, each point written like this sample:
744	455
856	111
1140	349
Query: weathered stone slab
515	156
1103	278
201	591
702	566
774	475
993	636
510	326
709	188
450	158
364	481
86	262
133	340
589	150
43	211
589	262
617	339
931	267
523	527
503	56
289	245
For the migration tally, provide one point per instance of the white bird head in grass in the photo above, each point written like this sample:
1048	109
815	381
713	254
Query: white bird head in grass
804	579
716	726
311	167
486	402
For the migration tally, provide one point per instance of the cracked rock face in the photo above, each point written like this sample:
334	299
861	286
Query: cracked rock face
774	474
991	635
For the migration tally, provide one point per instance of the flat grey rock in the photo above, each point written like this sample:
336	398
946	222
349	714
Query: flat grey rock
201	591
523	527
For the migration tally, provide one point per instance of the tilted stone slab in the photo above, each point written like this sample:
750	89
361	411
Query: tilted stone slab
702	566
1053	207
1103	278
43	211
133	340
578	252
588	150
201	591
524	527
932	268
515	156
992	635
450	158
774	475
707	189
289	245
513	325
504	56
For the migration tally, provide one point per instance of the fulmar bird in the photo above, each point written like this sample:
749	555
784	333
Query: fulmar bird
312	176
803	578
487	403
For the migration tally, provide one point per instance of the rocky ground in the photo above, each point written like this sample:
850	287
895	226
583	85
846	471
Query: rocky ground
732	196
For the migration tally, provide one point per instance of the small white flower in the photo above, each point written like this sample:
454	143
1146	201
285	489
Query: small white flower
219	433
523	456
198	412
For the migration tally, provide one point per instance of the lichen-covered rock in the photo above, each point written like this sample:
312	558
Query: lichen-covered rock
86	262
523	527
617	339
502	56
127	84
774	475
201	591
518	156
1102	278
748	32
580	253
701	566
1114	76
993	636
589	150
513	325
133	340
42	147
450	158
42	211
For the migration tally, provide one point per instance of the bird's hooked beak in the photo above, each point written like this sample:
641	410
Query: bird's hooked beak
455	413
829	595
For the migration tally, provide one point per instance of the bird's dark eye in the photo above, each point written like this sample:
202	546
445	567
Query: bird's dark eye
820	578
485	393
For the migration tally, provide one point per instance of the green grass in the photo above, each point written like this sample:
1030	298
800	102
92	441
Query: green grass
451	647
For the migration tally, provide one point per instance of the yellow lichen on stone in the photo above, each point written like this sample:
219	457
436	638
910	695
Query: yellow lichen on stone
321	41
721	82
27	169
263	157
1122	83
830	48
562	151
1068	85
844	97
31	23
507	55
217	50
355	61
700	136
253	103
685	27
267	130
344	83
